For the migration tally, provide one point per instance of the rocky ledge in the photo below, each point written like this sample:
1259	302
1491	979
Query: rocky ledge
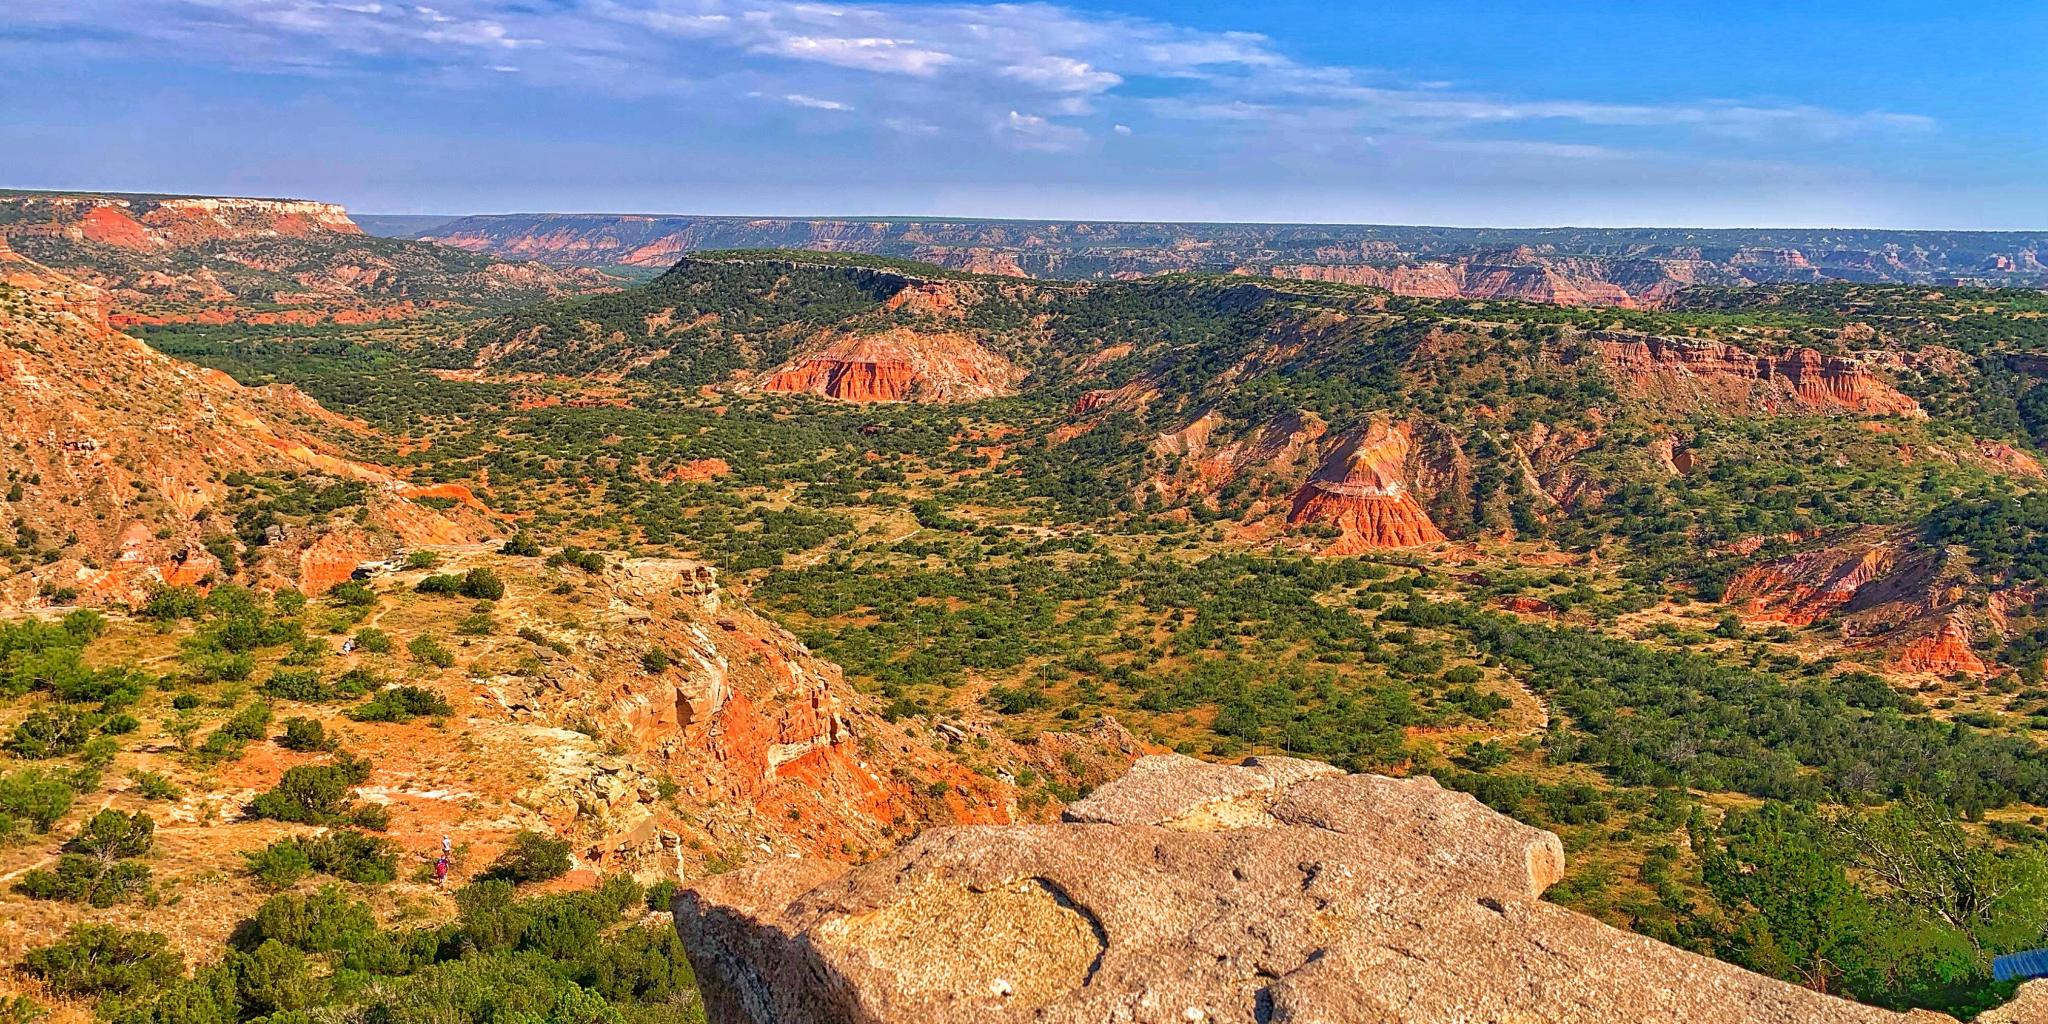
1275	891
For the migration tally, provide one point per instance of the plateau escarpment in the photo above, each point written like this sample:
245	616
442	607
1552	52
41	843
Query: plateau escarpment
1279	890
1621	267
220	260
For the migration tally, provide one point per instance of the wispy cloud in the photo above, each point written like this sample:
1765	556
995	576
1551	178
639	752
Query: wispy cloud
1045	77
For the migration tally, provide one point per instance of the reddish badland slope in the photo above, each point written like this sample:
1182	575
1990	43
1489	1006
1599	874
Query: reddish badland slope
1362	488
1883	590
900	364
118	456
1689	375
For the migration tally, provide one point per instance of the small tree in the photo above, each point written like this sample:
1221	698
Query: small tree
104	960
532	857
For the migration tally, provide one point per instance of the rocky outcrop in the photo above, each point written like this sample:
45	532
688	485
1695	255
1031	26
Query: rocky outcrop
897	365
1689	375
1278	891
1199	462
766	749
1362	489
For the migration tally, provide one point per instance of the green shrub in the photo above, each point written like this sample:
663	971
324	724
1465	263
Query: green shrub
323	921
661	895
373	641
105	961
482	584
353	593
276	979
54	731
32	799
79	879
169	604
302	685
279	865
440	583
220	666
251	723
155	786
479	624
314	794
588	561
429	650
355	682
306	736
655	661
521	544
401	704
532	857
99	866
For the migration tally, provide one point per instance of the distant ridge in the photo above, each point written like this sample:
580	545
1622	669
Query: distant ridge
1631	267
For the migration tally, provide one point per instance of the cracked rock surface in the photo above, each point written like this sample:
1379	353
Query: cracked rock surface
1277	891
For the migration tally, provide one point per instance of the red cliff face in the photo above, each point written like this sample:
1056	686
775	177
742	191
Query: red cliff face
1687	374
1361	488
897	365
1945	652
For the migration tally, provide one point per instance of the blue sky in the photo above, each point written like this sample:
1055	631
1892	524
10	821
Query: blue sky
1815	113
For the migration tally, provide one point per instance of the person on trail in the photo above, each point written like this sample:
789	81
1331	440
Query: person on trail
441	871
447	847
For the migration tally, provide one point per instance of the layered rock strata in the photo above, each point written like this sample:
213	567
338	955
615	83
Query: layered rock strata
1362	489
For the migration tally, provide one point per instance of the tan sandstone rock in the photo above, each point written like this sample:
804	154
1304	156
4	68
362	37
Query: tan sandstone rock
1277	891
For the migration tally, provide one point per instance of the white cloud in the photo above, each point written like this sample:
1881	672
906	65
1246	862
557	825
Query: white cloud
797	99
1030	132
868	53
1062	74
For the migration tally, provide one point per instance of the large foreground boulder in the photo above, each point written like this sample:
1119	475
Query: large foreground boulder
1276	891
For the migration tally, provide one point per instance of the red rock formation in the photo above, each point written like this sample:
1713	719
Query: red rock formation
1201	463
1362	489
697	471
759	737
897	365
1807	587
1685	374
1945	652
